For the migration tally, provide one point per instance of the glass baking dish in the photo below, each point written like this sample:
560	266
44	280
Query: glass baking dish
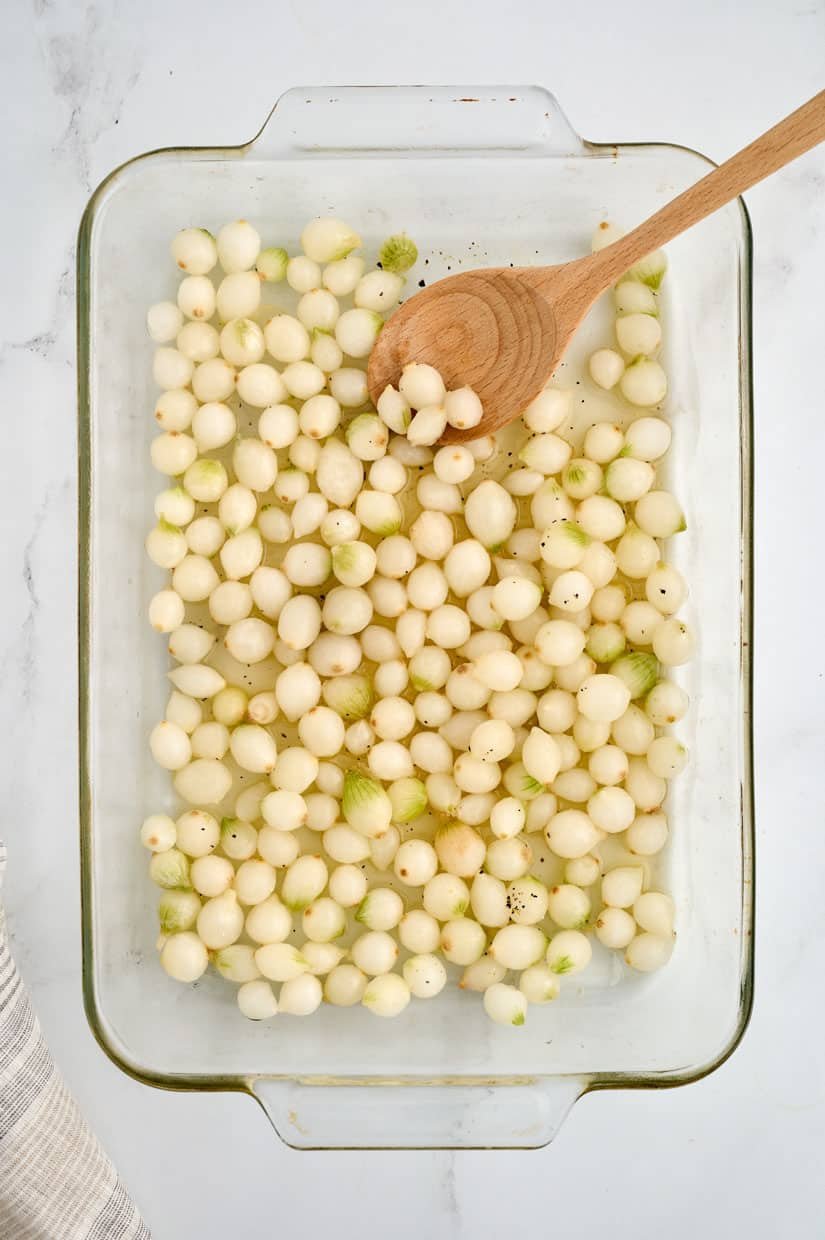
478	176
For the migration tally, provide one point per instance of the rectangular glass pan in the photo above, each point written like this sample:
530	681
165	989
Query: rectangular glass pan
478	176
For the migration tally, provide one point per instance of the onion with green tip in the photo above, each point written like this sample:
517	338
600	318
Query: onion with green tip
303	882
237	963
365	804
408	798
178	910
638	670
271	264
650	270
170	869
349	696
605	642
398	253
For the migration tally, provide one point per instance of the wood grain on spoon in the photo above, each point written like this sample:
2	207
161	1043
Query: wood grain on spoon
503	330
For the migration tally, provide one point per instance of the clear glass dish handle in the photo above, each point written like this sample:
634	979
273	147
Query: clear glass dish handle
387	1115
349	120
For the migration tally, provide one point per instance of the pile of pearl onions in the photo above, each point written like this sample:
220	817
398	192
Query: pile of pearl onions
518	686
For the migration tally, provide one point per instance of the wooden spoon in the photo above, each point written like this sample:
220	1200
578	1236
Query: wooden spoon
502	330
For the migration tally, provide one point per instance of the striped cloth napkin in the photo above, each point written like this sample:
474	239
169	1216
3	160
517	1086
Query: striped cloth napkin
56	1183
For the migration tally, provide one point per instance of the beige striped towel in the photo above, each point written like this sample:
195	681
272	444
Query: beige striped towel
56	1183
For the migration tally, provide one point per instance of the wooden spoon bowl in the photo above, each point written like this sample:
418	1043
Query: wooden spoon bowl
499	330
503	330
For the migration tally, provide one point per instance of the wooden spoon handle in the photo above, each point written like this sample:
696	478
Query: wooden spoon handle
800	131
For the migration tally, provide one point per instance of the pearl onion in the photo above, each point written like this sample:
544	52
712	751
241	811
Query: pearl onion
158	833
654	912
356	331
421	385
611	809
430	491
342	275
647	439
300	996
559	643
516	598
666	589
453	463
582	871
622	886
344	985
673	642
175	409
462	941
528	900
666	757
345	845
508	859
196	297
504	1004
518	946
538	984
347	885
638	334
666	703
194	250
419	931
256	1000
387	995
184	957
548	410
253	748
374	952
303	274
648	952
634	298
603	442
349	387
280	961
425	975
211	875
238	245
644	383
238	296
318	308
492	741
378	290
569	952
570	834
170	746
448	627
614	927
603	698
427	587
463	409
390	678
647	834
498	670
220	921
507	818
415	862
388	474
213	380
322	732
606	368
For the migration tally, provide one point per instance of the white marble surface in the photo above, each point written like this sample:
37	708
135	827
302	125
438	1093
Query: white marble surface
85	85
